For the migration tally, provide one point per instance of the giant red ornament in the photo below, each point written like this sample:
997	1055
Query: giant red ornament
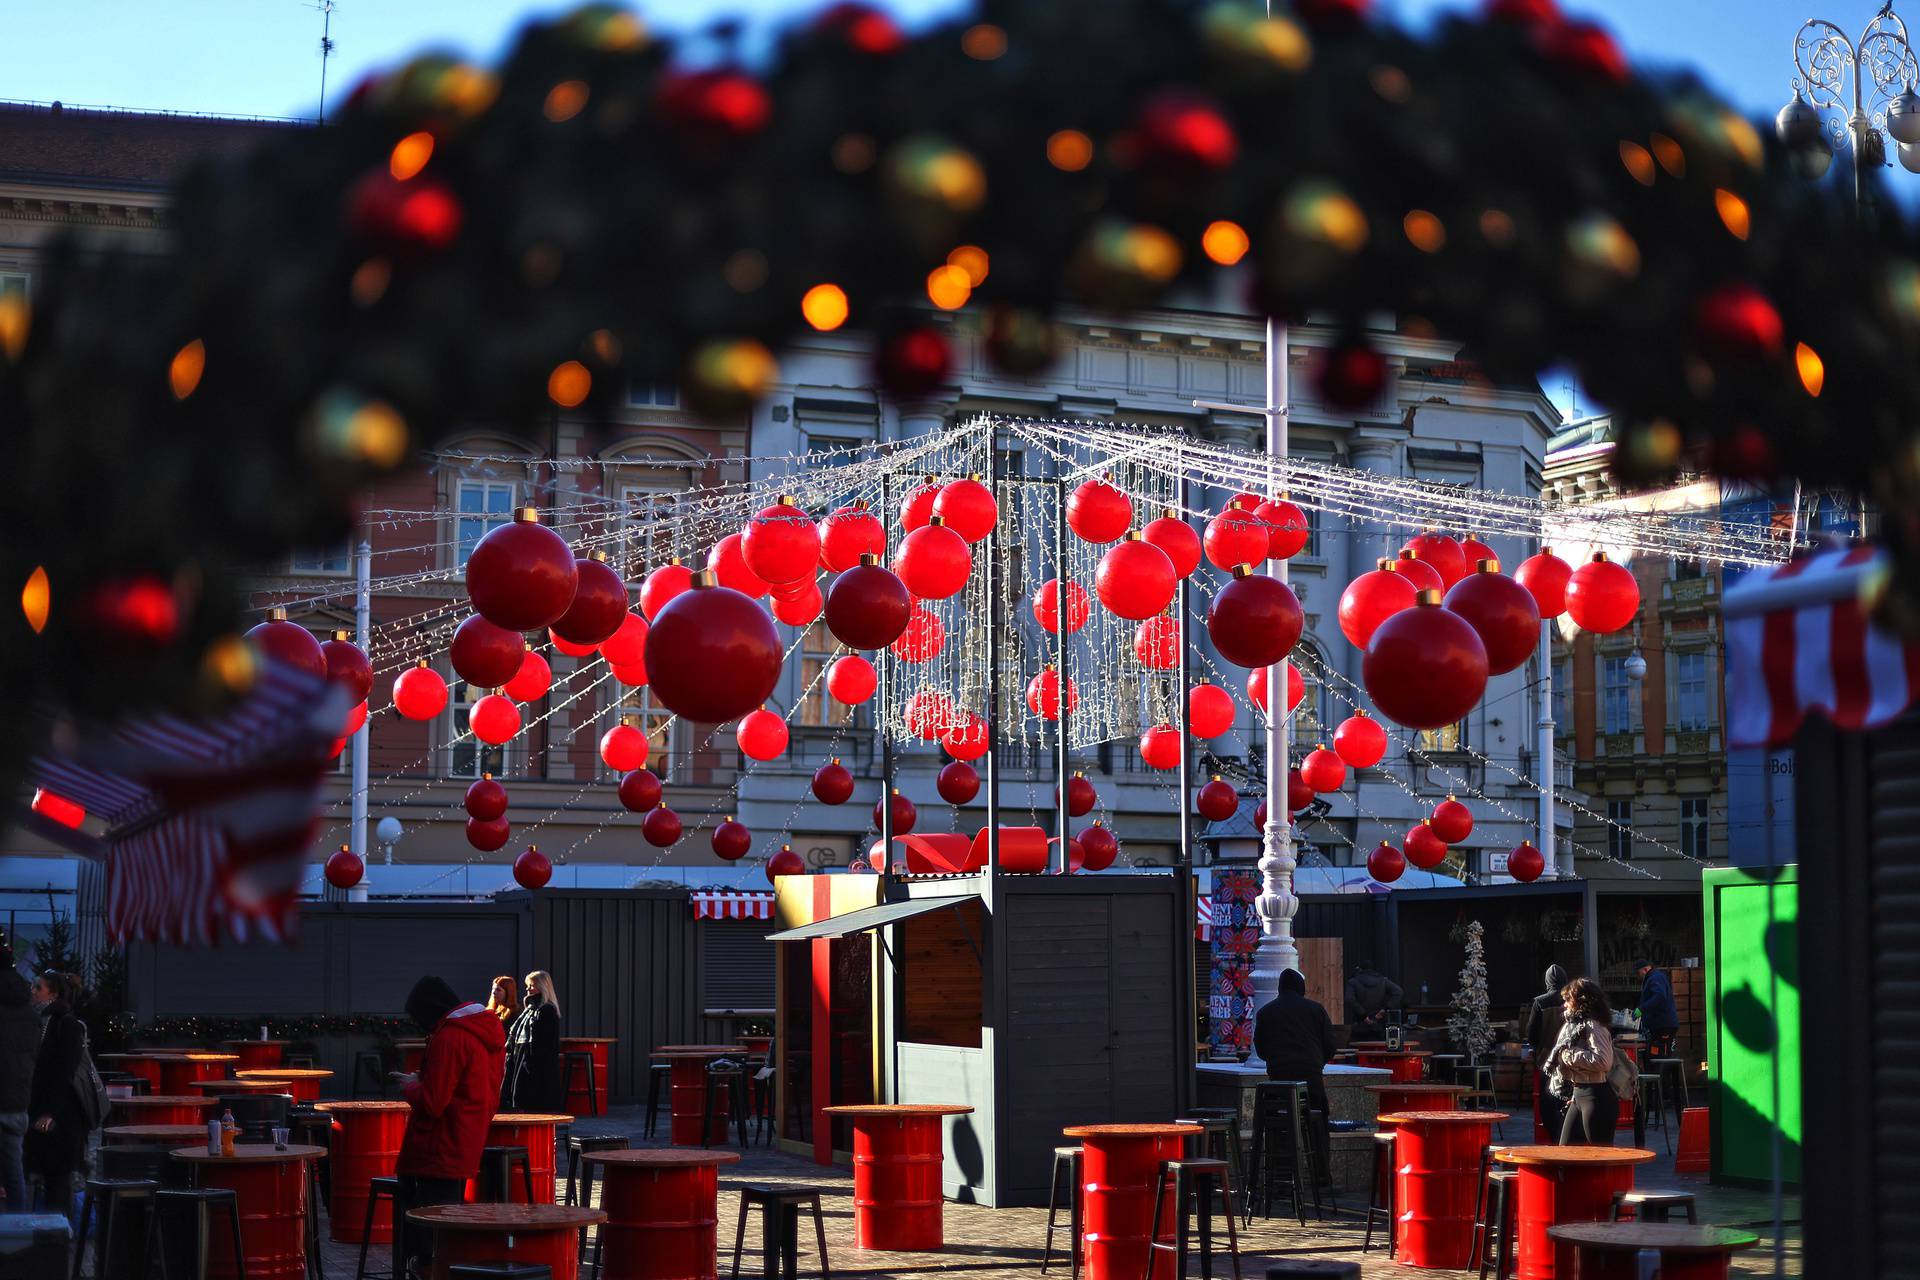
1156	642
1352	374
1210	710
1177	538
867	607
762	734
1360	740
1426	667
484	655
922	639
713	106
624	748
420	693
522	576
1160	747
347	666
356	716
1098	848
1184	135
957	783
1425	849
904	815
916	509
798	604
1423	575
1526	863
1255	620
290	644
1475	551
599	604
968	507
1585	49
927	713
494	719
780	544
914	361
1287	528
1738	322
851	679
1235	537
1076	856
1046	606
406	218
1081	797
731	840
966	740
1502	612
1043	694
532	869
1545	576
661	828
631	674
488	836
1135	580
848	534
832	783
1260	815
1451	821
1323	770
1217	801
640	791
1386	864
712	655
569	648
1602	596
934	561
1442	553
662	585
1371	599
531	682
1257	687
1097	512
728	562
486	799
785	863
345	869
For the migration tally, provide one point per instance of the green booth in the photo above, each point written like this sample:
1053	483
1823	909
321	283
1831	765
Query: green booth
1753	1022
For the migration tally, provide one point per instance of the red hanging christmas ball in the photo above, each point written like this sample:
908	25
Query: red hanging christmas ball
1451	821
1386	864
1177	538
484	655
1210	710
904	815
851	679
522	576
731	840
531	682
486	799
1160	747
1323	770
1585	49
1442	554
345	869
1076	855
719	105
712	655
1184	134
934	561
1424	848
914	362
599	604
922	639
762	734
928	713
780	544
1043	694
1217	801
1097	512
1371	599
494	719
356	716
1135	580
1287	528
640	791
968	507
631	674
785	863
966	740
1526	863
1426	667
569	648
1360	740
1475	551
347	666
1352	374
1098	848
660	586
488	836
1081	797
1423	575
1046	606
1257	687
420	693
864	28
339	745
867	607
958	783
728	562
1545	576
661	828
1156	642
624	748
1502	612
1602	596
532	869
832	783
916	509
1235	537
1260	816
290	644
406	219
1255	620
1521	12
798	606
848	534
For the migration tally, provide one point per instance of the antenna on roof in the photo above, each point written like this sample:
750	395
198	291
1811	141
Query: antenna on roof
326	48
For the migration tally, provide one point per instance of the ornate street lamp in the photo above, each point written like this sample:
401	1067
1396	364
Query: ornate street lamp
1881	71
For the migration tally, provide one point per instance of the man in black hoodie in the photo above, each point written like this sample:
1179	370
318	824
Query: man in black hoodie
19	1045
1294	1037
1543	1028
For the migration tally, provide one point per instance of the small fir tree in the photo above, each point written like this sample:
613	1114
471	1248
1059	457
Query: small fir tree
56	951
1468	1024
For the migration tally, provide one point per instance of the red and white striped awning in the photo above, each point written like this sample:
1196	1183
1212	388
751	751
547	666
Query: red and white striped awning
1203	918
1799	640
731	904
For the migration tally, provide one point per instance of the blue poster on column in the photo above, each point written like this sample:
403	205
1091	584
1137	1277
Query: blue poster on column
1236	936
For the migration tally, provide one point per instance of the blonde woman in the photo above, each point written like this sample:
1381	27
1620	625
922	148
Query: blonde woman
504	1002
533	1050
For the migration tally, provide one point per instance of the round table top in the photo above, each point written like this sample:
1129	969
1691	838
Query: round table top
136	1055
1167	1130
589	1040
1418	1088
410	1044
156	1132
1384	1052
691	1054
197	1056
213	1088
361	1108
507	1217
1442	1117
249	1153
662	1157
285	1073
530	1117
164	1100
665	1049
240	1042
1572	1155
1668	1237
884	1109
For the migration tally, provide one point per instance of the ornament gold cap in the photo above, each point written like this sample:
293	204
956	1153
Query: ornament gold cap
341	635
1546	551
527	515
526	646
1234	506
1488	565
1450	795
861	505
421	665
1201	680
673	559
1383	564
974	476
705	578
1169	513
784	500
1429	597
1134	535
276	614
1600	557
626	722
868	557
486	777
731	817
1216	777
836	760
600	556
533	848
346	849
1079	773
1243	571
1409	553
938	522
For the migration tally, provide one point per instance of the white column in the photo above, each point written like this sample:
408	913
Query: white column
362	628
1557	867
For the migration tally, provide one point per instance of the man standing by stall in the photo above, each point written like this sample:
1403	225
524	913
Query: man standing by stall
1659	1018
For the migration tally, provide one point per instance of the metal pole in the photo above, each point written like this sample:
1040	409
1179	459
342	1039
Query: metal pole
1059	861
880	721
1544	724
994	627
362	636
1183	859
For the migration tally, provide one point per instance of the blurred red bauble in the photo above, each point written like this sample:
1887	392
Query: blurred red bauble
851	679
904	815
640	791
762	735
848	534
934	561
661	828
347	666
631	674
1522	12
780	544
1135	580
1426	667
356	716
958	783
339	745
1475	551
1184	134
1255	620
798	604
1257	687
1442	554
1160	747
1451	821
1177	538
1081	797
867	607
916	509
420	693
832	783
731	840
1360	740
968	507
1098	848
1156	642
1046	606
729	564
1076	855
486	799
712	655
522	575
568	648
531	682
484	655
1584	48
662	585
1210	710
1526	863
718	105
966	740
1424	848
494	719
1235	537
1043	694
1386	864
1323	770
532	869
1217	801
864	28
624	748
785	863
1602	596
406	218
599	604
914	362
927	714
1352	374
1287	528
291	644
1423	575
1502	612
1545	576
1332	15
136	614
1370	600
488	836
1097	512
1260	816
922	639
345	869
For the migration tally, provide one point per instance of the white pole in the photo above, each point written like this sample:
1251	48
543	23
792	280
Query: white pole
362	625
1556	869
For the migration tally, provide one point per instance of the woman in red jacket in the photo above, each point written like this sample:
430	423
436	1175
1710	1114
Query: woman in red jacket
453	1100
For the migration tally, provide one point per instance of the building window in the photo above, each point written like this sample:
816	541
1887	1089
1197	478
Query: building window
1693	826
13	283
336	560
1563	696
645	542
653	395
1620	830
1316	520
467	756
1309	717
483	505
1690	691
818	649
1616	696
1451	737
651	719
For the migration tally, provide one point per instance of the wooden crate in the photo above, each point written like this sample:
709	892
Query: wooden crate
1323	964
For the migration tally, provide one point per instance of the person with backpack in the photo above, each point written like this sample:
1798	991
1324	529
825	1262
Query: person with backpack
60	1119
1545	1016
451	1100
1584	1071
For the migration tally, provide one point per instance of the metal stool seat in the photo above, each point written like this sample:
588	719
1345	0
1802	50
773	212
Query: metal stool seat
1653	1206
780	1227
496	1174
1380	1194
1199	1180
1282	1159
114	1197
1220	1140
579	1144
1494	1237
1065	1160
1681	1096
580	1057
659	1078
203	1202
379	1189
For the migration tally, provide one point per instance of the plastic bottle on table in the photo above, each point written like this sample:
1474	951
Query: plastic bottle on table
229	1130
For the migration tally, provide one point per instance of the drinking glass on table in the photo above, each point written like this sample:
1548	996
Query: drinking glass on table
280	1139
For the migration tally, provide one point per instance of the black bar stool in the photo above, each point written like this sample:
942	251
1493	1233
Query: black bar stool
117	1199
379	1189
1653	1206
369	1064
1493	1234
1200	1181
203	1203
1282	1159
1221	1141
780	1226
496	1174
575	1058
1380	1194
659	1078
733	1082
1065	1160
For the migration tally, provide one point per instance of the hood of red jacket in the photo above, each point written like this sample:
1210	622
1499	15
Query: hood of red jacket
474	1020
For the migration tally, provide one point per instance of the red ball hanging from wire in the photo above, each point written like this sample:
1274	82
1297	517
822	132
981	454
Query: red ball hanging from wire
1043	693
1602	596
851	679
1386	863
1046	606
934	562
485	655
660	586
289	644
780	543
712	655
532	681
1081	796
1323	770
522	575
1210	710
420	693
1255	620
958	782
1501	612
1135	580
1451	821
661	828
728	563
867	606
762	735
832	783
347	666
731	840
1371	599
1235	537
624	748
532	869
640	791
1156	642
849	533
1177	538
345	868
905	814
1360	740
486	799
494	719
1217	801
1097	512
1526	863
1098	848
1442	554
1545	576
599	603
1160	747
1424	847
1426	667
968	507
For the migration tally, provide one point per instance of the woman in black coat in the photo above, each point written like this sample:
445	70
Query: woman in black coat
57	1127
532	1081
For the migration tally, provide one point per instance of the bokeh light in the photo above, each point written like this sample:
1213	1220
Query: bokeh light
569	383
565	100
983	41
184	371
1734	214
948	287
410	155
1225	242
1070	150
825	307
1812	369
972	259
1425	231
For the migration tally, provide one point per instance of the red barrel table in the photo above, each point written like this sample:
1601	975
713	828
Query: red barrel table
662	1207
1407	1065
689	1092
758	1046
1119	1169
1561	1185
179	1072
257	1053
534	1131
214	1088
1611	1250
537	1233
271	1187
1418	1097
898	1150
162	1108
1436	1182
365	1146
172	1135
302	1082
579	1100
144	1065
